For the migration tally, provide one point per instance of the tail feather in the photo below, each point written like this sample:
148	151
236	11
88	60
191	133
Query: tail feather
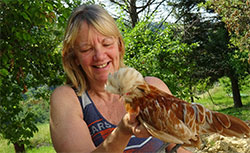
227	125
223	119
217	124
239	127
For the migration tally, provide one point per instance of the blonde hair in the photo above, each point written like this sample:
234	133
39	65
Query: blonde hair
98	18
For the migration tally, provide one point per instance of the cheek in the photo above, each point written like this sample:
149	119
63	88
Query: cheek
116	54
117	59
83	60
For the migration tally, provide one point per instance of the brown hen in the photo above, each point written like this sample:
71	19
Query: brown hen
168	118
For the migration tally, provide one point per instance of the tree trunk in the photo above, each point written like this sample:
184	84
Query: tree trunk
236	92
19	148
191	94
133	12
192	99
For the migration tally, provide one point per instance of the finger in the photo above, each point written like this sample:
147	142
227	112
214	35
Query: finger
125	124
138	110
132	116
141	131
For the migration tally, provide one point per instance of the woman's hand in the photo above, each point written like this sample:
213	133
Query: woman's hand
119	138
130	125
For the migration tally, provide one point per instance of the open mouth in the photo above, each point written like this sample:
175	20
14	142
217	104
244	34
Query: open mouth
102	65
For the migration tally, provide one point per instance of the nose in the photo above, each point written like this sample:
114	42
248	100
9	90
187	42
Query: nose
99	53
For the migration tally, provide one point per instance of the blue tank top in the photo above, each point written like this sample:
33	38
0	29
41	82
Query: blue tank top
100	128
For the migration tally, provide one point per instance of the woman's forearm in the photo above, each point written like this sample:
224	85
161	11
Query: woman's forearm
115	142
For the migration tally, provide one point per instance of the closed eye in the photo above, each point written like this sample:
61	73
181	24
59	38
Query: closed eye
108	42
107	45
85	50
141	89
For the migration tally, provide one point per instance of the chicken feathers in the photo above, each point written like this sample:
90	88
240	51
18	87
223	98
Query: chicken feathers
168	118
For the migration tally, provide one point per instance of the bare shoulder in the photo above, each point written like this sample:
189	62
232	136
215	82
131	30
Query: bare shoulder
63	99
62	90
62	93
154	81
66	122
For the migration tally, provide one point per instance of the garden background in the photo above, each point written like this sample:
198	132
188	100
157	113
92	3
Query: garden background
199	48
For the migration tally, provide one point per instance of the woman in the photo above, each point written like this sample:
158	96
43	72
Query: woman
84	117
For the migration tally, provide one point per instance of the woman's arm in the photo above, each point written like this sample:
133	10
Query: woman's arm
70	133
154	81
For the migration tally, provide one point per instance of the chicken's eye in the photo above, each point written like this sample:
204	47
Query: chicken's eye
142	90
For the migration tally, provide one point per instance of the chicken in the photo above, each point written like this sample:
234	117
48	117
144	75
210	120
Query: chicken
168	118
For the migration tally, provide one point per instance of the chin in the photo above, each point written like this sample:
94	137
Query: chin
103	79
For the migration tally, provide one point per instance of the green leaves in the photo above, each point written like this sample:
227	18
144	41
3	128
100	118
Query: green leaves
155	52
25	16
236	15
30	35
4	72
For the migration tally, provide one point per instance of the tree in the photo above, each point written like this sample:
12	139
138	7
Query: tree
134	8
31	30
184	71
154	51
218	60
212	58
191	28
236	16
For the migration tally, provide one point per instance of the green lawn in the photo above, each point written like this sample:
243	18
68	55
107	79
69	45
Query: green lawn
222	102
40	143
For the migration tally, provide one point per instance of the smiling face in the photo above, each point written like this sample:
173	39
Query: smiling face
97	54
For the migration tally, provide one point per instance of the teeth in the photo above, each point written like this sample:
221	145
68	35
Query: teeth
102	66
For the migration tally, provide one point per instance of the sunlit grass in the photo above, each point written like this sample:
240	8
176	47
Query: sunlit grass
43	149
222	102
4	147
40	143
42	137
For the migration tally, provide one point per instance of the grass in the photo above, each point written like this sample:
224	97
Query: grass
4	147
40	143
41	138
42	149
222	102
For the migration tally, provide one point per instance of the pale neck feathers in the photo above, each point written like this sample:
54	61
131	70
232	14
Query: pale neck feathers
125	82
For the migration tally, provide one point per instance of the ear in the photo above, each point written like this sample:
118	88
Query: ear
119	45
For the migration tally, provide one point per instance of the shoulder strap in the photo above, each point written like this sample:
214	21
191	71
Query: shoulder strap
80	99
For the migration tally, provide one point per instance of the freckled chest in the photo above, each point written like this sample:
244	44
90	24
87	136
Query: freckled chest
112	111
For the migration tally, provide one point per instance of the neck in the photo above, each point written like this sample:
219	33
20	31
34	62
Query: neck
97	90
96	85
100	93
